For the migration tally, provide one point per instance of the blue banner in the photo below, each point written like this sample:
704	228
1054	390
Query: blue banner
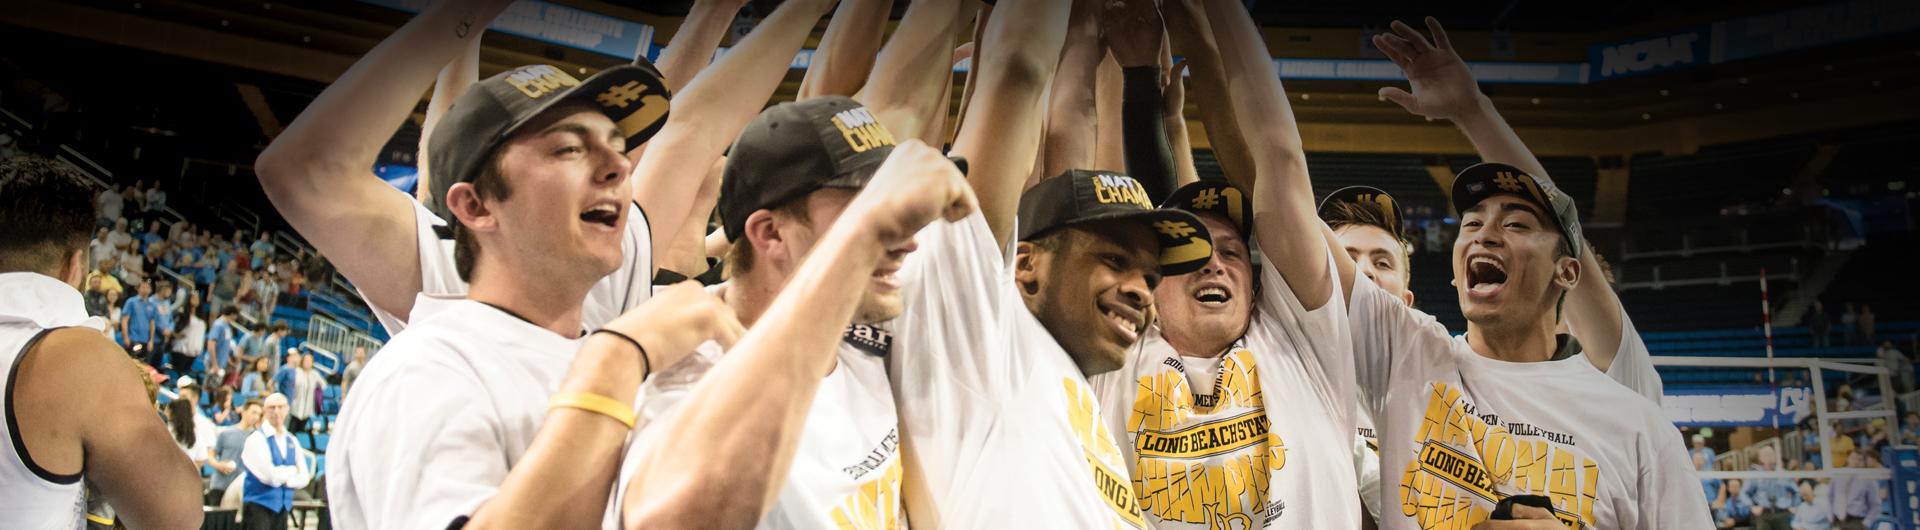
1906	487
558	24
1644	55
1746	405
1809	27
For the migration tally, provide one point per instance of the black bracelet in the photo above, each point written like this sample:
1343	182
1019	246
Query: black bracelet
646	363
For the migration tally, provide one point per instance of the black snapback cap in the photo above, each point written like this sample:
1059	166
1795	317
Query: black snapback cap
1478	182
1081	196
1370	197
1216	197
634	96
794	148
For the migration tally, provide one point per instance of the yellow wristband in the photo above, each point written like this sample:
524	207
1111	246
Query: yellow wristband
594	403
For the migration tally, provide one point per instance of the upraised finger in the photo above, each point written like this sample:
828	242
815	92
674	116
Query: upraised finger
1397	49
1413	36
1439	34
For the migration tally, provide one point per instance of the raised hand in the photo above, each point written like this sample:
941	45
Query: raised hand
916	185
1443	88
676	320
1133	31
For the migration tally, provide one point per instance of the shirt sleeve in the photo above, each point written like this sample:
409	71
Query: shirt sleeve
257	458
950	336
428	463
1668	485
438	275
1320	336
1387	336
1633	364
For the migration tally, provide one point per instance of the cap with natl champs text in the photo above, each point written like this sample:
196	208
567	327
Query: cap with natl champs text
634	96
1478	182
794	148
1216	197
1082	196
1370	197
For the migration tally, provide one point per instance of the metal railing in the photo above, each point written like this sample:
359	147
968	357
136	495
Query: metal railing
325	333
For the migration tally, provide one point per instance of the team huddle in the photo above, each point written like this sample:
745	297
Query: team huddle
1051	323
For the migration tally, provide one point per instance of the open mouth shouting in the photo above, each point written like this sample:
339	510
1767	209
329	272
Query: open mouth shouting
1212	294
602	214
1486	276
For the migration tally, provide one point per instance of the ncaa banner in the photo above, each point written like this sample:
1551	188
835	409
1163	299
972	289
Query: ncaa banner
1745	405
1644	55
558	24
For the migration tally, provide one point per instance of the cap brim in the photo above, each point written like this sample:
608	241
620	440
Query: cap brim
1185	243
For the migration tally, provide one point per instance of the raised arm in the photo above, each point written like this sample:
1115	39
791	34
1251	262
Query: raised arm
1070	124
754	402
1174	114
1136	36
454	79
1443	88
712	111
911	79
1290	233
1191	35
1001	135
693	44
846	51
318	172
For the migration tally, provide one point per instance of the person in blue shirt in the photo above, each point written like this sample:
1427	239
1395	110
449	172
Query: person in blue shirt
220	342
284	378
262	250
1773	498
162	302
137	323
152	236
1735	509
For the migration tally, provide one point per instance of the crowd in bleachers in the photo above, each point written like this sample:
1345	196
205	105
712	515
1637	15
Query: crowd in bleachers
198	309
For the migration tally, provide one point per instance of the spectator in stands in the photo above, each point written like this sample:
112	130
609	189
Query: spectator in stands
220	343
226	288
1732	507
274	468
1819	326
353	370
305	399
258	381
227	448
1898	365
1772	498
99	248
220	400
99	300
262	250
1811	514
1911	434
162	301
1867	321
190	340
1850	326
103	271
151	237
1853	501
132	266
137	323
120	239
110	203
1701	452
266	292
180	423
271	346
1712	488
156	201
246	299
138	194
1842	447
284	376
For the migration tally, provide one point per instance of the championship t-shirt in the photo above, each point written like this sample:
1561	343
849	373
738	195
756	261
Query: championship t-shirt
427	436
1458	431
846	471
626	287
1204	450
1001	428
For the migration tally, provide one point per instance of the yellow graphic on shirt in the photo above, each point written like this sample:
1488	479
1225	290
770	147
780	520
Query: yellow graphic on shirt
875	507
1097	443
1464	463
1212	472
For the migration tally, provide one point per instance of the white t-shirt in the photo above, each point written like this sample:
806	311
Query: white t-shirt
1002	430
628	286
1459	431
1633	365
431	434
846	471
1205	453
